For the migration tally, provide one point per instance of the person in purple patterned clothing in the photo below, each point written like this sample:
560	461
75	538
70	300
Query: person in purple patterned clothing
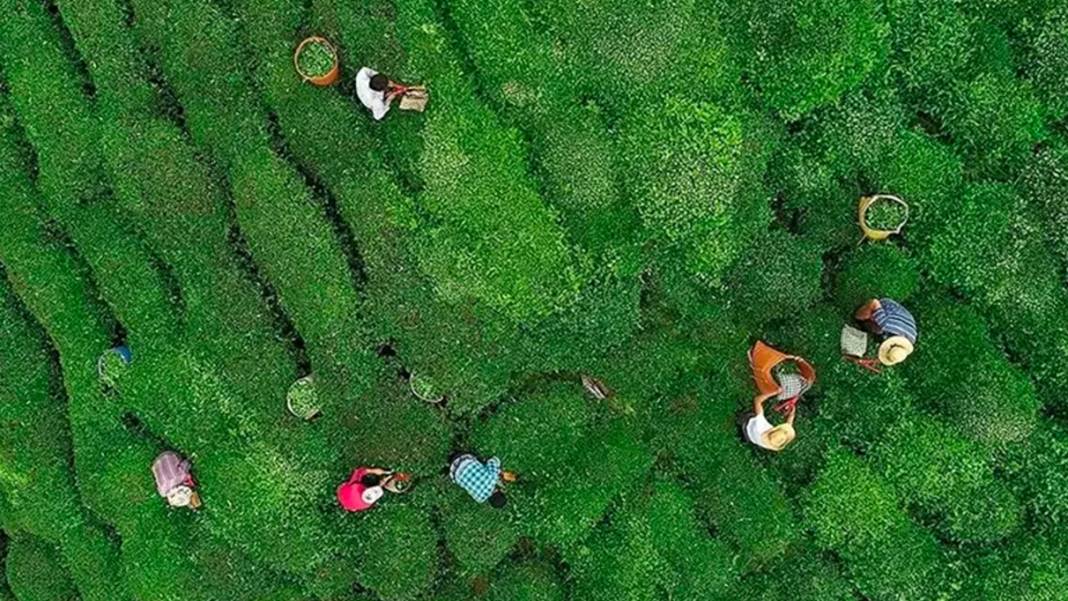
174	480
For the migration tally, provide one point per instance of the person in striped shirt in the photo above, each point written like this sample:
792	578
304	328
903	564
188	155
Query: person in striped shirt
894	324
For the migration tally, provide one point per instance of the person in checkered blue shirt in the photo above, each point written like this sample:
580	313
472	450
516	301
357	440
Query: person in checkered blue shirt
481	480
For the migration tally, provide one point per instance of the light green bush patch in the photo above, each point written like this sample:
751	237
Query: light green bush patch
693	173
805	55
1048	58
526	582
944	472
35	572
997	120
855	513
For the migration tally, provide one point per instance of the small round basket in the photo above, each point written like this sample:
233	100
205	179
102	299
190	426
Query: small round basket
423	389
315	44
878	233
302	400
112	363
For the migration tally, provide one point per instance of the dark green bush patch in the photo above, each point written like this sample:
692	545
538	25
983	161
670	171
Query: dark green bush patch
880	270
986	397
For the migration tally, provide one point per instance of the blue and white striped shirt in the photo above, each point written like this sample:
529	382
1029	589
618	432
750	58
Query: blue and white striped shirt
895	320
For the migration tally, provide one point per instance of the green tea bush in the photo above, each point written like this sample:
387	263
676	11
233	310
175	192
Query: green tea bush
513	57
1043	182
561	509
38	488
996	120
875	271
856	133
478	536
753	514
816	201
397	555
701	566
526	582
804	575
988	399
304	263
944	473
179	208
627	55
1030	570
70	176
926	174
992	228
708	159
1047	61
433	337
777	277
477	191
805	55
933	44
859	405
633	191
855	514
35	572
1033	471
619	561
534	434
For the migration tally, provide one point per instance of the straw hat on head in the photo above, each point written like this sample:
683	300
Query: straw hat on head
778	437
894	350
180	496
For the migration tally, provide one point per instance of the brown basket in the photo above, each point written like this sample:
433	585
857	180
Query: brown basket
327	78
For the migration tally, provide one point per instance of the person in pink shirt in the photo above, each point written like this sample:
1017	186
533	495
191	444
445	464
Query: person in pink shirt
367	485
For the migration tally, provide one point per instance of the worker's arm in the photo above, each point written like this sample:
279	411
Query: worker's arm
790	416
864	313
758	402
377	471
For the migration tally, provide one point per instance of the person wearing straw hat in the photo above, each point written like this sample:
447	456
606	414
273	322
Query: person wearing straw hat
759	431
894	325
174	480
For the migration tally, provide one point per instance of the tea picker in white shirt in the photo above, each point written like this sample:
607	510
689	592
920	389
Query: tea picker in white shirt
759	431
377	92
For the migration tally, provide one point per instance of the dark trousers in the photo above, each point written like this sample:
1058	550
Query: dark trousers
741	419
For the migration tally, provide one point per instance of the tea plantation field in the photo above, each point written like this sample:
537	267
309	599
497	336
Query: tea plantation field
636	190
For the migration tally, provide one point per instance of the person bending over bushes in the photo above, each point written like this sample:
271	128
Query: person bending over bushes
174	480
367	485
785	377
894	324
377	92
759	431
481	480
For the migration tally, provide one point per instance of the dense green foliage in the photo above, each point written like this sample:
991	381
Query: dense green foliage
631	190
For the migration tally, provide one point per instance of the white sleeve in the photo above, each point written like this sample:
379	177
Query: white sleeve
379	109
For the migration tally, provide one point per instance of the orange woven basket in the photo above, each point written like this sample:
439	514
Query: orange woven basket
326	79
763	359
